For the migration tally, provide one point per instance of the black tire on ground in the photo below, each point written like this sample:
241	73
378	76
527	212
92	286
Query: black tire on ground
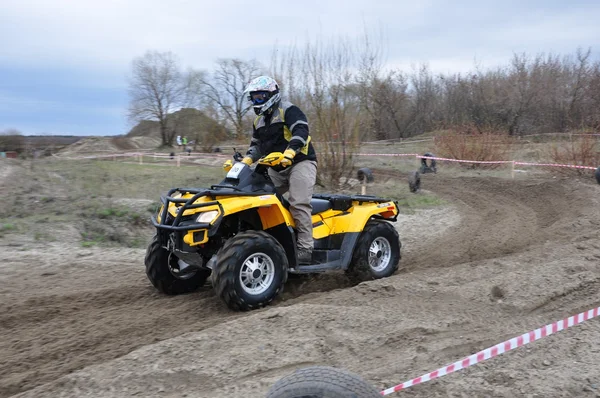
157	270
231	258
428	167
598	175
377	252
322	382
363	173
414	181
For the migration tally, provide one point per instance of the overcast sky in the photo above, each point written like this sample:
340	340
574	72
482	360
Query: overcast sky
64	64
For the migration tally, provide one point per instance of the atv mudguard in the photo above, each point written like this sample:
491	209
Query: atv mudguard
274	217
336	231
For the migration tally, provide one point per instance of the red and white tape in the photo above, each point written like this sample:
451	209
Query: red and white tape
563	134
386	154
498	349
217	155
480	161
466	161
556	165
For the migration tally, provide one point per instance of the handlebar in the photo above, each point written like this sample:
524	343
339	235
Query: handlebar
237	156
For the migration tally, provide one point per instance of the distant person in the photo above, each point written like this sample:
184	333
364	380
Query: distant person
184	142
178	140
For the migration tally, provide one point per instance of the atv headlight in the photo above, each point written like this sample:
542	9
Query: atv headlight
207	216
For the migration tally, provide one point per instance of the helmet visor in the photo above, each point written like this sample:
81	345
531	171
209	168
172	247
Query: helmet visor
259	97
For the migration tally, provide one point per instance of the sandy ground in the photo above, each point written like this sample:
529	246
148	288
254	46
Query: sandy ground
503	258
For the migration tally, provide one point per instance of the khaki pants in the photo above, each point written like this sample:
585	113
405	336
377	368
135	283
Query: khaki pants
299	180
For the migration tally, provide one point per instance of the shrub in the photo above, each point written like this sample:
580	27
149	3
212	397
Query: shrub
336	164
468	143
581	150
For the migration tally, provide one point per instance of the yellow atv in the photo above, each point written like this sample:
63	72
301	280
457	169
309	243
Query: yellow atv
241	234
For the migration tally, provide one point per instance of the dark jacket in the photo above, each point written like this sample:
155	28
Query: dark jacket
285	127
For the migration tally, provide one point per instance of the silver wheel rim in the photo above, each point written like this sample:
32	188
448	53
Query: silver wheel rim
257	273
380	254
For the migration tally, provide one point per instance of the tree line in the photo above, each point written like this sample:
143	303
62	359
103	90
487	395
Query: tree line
348	93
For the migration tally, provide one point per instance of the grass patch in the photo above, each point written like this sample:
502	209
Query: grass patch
6	228
115	226
41	236
111	213
421	200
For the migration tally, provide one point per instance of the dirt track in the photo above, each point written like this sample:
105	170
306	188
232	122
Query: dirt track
506	256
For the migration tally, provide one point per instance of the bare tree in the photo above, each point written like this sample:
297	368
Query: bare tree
529	94
331	82
224	90
581	73
593	98
158	88
334	111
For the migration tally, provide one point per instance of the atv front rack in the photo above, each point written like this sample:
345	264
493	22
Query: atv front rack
180	224
186	204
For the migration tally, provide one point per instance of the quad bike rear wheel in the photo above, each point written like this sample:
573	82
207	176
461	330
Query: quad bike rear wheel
251	270
159	269
377	252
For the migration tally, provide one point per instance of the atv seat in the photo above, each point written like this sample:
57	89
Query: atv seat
319	205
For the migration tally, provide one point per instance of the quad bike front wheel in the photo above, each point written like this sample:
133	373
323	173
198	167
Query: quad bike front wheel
160	271
251	270
377	252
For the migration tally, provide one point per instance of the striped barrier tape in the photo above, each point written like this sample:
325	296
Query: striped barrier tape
467	161
498	349
203	155
556	165
564	134
508	162
387	154
94	156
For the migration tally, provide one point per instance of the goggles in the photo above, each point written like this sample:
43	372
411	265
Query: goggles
259	97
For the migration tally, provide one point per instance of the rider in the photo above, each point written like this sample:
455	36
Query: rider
282	127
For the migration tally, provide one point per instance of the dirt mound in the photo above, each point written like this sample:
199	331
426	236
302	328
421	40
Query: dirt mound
105	145
534	241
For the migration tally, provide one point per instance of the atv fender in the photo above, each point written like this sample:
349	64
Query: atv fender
275	219
287	239
347	249
358	216
269	208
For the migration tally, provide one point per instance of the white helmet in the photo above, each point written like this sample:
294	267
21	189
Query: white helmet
263	94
